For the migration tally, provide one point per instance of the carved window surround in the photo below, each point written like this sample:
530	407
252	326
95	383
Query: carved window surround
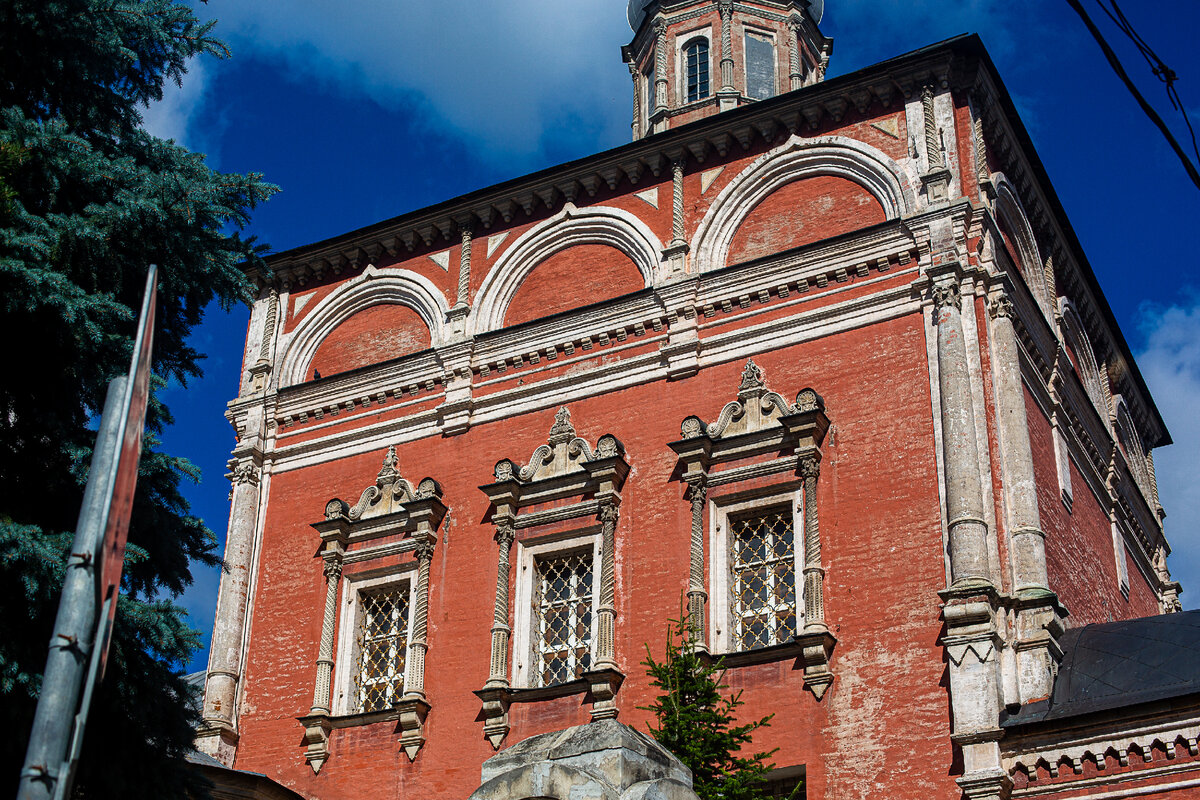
409	517
739	454
525	498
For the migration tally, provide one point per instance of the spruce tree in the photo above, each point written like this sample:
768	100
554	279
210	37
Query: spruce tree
696	720
87	200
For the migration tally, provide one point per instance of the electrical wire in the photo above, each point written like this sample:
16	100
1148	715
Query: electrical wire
1156	64
1164	73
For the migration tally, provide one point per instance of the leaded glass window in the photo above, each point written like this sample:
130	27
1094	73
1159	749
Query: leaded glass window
695	55
563	623
760	66
764	578
382	647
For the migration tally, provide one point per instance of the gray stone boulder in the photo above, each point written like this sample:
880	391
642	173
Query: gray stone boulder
603	760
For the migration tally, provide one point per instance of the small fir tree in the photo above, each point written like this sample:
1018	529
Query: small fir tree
696	721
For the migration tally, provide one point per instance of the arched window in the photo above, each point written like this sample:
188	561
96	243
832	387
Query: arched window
695	57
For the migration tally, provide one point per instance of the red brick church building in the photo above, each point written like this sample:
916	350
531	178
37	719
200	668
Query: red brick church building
821	361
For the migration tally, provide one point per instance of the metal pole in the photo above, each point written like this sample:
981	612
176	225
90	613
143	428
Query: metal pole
67	661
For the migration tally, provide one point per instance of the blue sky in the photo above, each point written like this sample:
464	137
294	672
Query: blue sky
365	110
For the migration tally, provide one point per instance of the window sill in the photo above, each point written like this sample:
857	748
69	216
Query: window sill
762	655
355	720
813	651
534	694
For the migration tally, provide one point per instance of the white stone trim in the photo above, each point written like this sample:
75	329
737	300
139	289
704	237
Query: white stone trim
523	611
346	655
373	287
1012	213
794	159
720	603
1088	369
614	227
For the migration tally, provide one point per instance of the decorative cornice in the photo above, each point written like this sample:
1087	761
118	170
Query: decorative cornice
802	111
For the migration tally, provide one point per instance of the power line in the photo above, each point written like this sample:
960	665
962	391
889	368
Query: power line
1164	73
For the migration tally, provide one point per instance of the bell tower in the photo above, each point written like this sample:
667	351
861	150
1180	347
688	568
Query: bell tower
694	58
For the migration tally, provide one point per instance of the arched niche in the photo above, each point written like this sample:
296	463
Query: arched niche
1014	225
376	333
1084	358
1131	445
612	227
795	159
801	212
370	289
574	276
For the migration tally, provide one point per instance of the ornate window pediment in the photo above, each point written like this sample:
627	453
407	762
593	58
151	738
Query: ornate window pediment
408	519
564	480
752	473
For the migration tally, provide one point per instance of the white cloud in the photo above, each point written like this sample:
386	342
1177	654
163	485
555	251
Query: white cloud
1171	366
171	117
505	73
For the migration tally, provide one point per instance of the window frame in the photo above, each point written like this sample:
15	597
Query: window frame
722	511
770	38
682	42
345	694
525	611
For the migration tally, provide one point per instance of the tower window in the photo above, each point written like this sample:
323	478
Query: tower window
760	66
695	56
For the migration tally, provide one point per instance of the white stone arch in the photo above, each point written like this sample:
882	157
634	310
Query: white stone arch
372	288
1012	214
798	158
1131	445
1085	357
571	226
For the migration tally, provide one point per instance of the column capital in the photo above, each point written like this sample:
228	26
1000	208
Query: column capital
1000	305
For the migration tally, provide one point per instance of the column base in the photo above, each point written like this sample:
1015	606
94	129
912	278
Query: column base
218	739
316	740
413	710
603	684
817	649
495	713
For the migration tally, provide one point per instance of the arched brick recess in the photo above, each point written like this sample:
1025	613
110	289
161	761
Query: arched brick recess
375	334
795	159
593	271
571	227
802	212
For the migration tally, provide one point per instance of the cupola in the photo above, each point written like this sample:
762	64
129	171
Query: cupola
694	58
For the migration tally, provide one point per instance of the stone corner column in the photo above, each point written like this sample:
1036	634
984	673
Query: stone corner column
218	735
971	641
1037	612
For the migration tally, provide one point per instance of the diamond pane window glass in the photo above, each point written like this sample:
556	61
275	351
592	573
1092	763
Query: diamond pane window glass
382	646
764	578
563	624
760	66
696	57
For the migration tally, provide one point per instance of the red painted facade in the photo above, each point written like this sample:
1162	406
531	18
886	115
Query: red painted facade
885	725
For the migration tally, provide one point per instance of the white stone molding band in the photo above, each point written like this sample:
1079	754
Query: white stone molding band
571	226
795	159
373	287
